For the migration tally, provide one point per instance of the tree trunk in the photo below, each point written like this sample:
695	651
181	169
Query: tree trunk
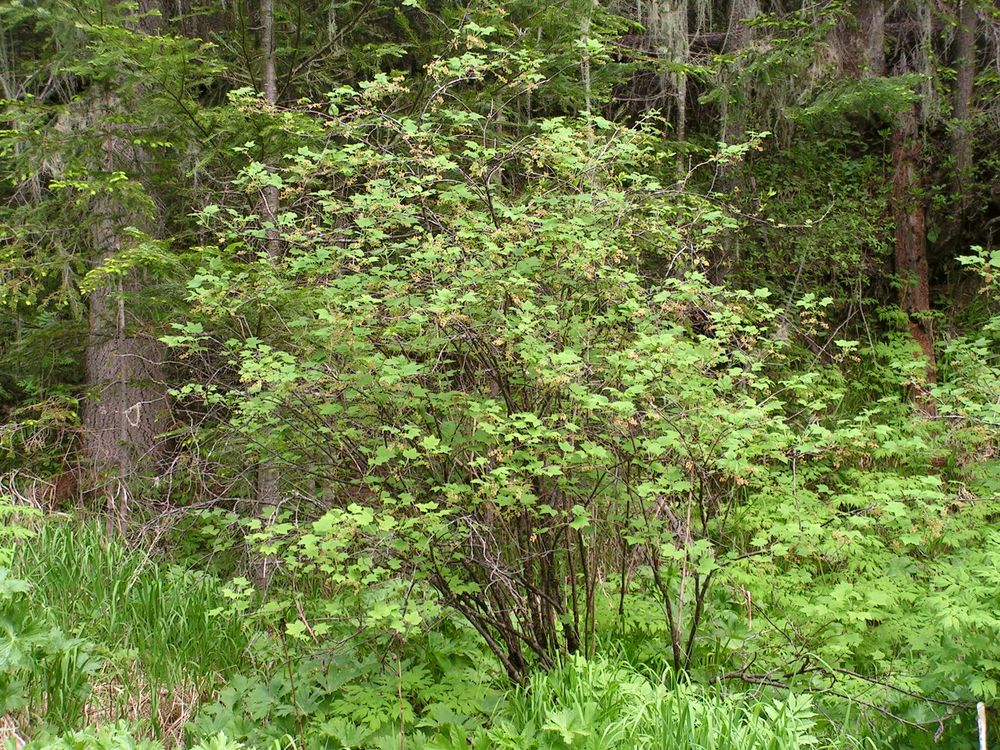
269	203
909	212
738	38
860	40
127	408
965	67
667	30
909	203
733	126
267	491
860	43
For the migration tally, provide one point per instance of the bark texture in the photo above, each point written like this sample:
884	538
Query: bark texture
127	407
666	24
965	70
910	214
267	490
860	39
738	39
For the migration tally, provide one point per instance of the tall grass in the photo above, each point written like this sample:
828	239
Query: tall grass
167	644
607	705
163	646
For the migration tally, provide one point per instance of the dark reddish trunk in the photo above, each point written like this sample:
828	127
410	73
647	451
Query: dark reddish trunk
910	215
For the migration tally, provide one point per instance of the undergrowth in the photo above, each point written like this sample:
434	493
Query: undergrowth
101	631
607	705
143	654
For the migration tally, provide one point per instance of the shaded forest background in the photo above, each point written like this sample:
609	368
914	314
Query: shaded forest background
577	327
